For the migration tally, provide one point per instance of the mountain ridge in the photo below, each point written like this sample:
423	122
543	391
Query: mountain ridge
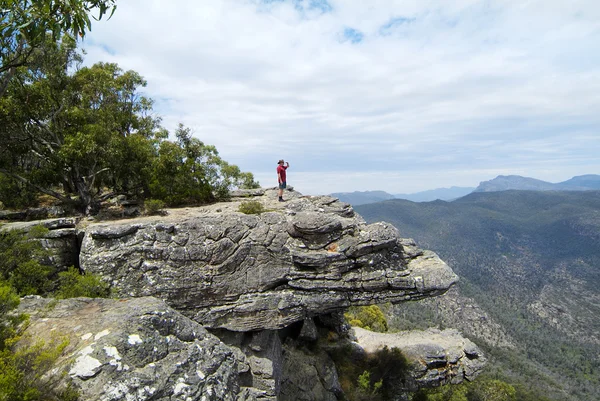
507	182
531	261
587	182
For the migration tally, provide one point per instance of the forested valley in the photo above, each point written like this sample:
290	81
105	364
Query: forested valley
529	267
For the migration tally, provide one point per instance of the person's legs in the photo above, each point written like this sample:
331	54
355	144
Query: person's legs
280	192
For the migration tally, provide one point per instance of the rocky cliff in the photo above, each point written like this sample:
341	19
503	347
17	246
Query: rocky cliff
265	284
226	269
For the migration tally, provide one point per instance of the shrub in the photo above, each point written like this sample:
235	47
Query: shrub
24	372
16	195
368	317
24	367
376	376
154	206
20	256
251	207
9	300
74	284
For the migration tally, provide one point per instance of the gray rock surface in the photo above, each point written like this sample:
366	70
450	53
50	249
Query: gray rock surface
224	269
135	349
261	360
308	376
61	239
437	357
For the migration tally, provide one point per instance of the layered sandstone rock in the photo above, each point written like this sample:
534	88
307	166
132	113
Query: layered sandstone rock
264	284
437	357
226	269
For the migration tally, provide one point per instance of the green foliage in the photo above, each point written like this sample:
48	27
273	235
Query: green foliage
154	206
251	207
24	371
84	135
191	172
20	266
376	376
24	363
368	317
74	284
16	195
9	322
26	27
482	389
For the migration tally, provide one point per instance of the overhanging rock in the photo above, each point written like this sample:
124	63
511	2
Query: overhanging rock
225	269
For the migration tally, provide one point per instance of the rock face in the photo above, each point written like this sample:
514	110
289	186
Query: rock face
225	269
135	349
270	287
61	239
438	357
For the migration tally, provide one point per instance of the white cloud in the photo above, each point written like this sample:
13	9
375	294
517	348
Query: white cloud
449	93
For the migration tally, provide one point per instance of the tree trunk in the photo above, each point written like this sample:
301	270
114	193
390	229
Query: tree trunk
89	205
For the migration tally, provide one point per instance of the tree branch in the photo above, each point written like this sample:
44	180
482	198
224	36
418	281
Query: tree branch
41	189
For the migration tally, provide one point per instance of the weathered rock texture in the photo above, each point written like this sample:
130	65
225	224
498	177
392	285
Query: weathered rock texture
224	269
268	285
61	240
135	349
437	356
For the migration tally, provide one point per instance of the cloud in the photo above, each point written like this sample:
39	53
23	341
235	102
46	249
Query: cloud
396	95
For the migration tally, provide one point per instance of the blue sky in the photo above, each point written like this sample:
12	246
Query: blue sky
401	96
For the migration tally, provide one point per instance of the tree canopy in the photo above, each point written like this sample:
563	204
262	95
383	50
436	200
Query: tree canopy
85	134
25	24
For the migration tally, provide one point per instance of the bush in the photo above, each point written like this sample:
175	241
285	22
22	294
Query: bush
73	284
20	255
154	206
9	300
24	367
16	195
368	317
376	376
24	372
251	207
482	389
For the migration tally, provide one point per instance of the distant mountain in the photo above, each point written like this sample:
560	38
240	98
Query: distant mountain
581	182
365	197
529	290
438	193
507	182
362	198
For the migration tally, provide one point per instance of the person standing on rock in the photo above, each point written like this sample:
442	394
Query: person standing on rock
281	178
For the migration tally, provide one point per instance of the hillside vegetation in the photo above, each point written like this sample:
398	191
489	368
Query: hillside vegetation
529	263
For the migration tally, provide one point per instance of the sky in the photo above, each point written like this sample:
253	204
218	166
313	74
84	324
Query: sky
400	96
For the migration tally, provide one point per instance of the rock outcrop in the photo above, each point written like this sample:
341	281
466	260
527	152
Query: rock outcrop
270	287
61	240
226	269
437	357
134	349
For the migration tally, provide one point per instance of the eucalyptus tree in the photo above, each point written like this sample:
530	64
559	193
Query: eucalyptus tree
25	25
80	137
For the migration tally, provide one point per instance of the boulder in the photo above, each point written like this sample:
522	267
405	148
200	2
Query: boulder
436	357
134	349
61	240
